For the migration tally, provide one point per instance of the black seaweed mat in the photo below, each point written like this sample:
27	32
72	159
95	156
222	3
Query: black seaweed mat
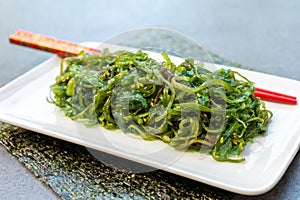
73	173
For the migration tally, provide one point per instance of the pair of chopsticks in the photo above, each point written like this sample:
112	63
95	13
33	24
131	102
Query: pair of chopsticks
65	49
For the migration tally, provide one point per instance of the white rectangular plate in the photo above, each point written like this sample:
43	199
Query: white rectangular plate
23	103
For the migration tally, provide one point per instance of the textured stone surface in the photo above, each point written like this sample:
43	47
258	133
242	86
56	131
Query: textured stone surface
17	183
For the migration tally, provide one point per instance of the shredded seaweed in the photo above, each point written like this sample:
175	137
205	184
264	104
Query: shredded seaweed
185	105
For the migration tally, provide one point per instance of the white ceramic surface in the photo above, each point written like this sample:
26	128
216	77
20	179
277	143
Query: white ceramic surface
23	103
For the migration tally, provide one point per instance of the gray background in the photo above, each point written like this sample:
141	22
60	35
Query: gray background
262	34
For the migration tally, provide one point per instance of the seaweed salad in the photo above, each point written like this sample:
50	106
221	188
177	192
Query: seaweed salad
185	105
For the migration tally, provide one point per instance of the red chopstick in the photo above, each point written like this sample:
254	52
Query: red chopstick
64	48
275	96
45	43
275	93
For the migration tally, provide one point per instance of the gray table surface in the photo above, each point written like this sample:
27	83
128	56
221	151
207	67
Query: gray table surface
261	34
